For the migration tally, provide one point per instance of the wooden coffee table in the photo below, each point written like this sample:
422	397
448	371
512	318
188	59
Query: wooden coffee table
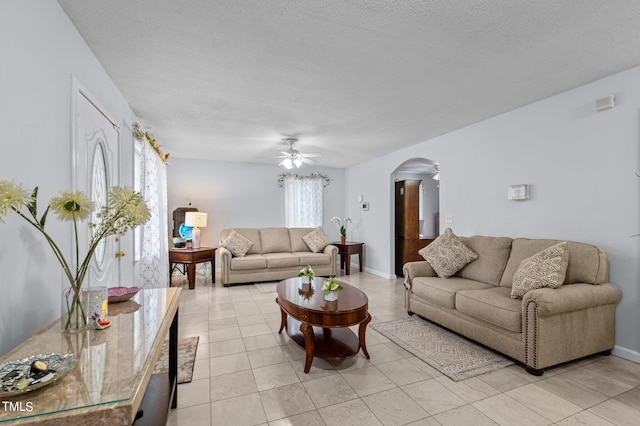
321	327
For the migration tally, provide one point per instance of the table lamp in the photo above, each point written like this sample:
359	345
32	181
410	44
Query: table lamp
197	220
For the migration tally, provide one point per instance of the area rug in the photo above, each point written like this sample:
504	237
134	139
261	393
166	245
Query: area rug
267	287
187	348
454	356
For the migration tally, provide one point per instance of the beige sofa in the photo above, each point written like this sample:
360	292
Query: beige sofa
546	327
275	254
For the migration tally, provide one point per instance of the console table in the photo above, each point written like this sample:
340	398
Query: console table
112	381
345	250
191	257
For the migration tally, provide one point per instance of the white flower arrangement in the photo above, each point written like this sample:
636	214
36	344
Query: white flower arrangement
307	272
331	285
341	224
125	210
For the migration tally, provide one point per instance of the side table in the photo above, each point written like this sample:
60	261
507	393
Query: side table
346	250
191	257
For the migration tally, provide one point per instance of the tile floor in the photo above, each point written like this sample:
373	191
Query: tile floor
248	374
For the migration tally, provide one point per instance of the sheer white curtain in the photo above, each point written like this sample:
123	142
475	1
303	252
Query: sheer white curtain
303	201
154	263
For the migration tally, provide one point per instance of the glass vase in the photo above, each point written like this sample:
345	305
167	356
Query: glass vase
73	311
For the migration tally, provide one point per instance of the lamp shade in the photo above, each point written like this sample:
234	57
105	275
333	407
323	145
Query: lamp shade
195	219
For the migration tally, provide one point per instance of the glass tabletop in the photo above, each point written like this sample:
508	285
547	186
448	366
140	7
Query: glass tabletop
111	365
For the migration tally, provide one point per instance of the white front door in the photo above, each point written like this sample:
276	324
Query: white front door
95	171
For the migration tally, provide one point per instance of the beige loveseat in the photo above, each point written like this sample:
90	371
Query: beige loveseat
548	326
274	254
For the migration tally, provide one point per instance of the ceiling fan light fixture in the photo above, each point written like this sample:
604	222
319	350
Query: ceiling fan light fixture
288	163
298	161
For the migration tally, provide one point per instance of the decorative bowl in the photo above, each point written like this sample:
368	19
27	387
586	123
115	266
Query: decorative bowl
120	294
57	364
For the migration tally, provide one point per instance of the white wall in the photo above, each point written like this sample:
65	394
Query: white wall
41	50
580	164
242	194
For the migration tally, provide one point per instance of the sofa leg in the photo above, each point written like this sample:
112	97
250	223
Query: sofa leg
533	371
226	285
607	352
409	313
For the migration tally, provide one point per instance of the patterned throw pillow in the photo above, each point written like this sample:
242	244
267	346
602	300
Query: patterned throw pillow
544	269
316	240
237	243
447	254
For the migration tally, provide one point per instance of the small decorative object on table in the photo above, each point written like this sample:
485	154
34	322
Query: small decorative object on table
330	288
100	323
120	294
179	242
99	307
33	373
342	227
307	272
125	210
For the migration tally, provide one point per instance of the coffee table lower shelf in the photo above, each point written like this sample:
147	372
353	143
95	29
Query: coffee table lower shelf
330	343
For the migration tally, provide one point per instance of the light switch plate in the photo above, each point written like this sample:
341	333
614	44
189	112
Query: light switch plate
518	192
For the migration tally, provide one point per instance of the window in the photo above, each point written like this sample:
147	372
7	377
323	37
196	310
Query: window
303	199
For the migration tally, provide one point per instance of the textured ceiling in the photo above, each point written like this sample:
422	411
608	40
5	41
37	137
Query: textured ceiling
229	79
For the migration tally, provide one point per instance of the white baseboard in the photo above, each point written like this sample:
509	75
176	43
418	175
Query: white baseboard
626	353
378	273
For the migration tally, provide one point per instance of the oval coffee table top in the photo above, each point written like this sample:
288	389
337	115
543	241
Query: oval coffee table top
293	293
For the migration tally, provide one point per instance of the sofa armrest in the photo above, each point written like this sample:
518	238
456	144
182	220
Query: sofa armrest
331	250
572	297
419	268
225	264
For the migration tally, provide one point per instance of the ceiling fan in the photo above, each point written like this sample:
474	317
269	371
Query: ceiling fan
294	158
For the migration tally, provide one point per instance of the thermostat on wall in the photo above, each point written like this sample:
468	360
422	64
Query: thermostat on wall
518	192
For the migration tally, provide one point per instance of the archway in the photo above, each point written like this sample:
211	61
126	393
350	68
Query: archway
414	213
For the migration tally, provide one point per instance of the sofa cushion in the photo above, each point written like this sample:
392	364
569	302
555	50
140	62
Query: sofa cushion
252	234
317	240
544	269
493	253
237	244
313	259
587	263
281	260
493	305
275	240
447	254
443	292
295	238
250	261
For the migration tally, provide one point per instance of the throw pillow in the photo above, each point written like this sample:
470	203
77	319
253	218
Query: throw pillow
237	243
316	240
544	269
447	254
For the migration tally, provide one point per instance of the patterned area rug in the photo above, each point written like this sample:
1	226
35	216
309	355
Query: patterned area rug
454	356
187	348
267	287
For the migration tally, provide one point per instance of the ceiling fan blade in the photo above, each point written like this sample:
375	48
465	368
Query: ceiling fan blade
311	154
307	161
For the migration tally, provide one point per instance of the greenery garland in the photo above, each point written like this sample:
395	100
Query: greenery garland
326	180
140	135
